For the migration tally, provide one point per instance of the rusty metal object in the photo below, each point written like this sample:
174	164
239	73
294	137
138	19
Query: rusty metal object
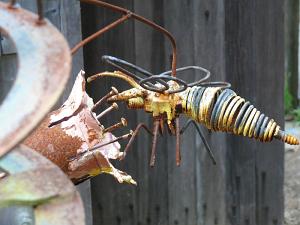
73	138
44	67
35	182
122	123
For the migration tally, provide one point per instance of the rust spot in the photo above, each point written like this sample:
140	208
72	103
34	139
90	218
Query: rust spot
54	143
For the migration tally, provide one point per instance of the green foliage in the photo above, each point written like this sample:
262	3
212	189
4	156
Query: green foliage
288	103
288	98
296	114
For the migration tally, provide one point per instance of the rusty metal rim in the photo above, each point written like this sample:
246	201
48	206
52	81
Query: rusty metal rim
44	66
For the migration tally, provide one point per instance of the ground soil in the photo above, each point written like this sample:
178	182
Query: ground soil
292	178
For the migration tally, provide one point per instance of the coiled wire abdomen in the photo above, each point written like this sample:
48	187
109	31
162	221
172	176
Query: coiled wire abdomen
223	110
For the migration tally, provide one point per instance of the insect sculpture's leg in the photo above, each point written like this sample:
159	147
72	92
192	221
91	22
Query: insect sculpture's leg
135	132
113	91
202	137
178	154
154	141
122	123
97	146
110	108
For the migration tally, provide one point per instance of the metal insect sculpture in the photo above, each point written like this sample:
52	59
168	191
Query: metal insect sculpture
212	104
165	96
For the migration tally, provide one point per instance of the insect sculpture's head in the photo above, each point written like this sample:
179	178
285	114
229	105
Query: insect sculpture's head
164	104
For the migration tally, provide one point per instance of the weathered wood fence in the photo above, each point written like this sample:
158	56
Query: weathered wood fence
238	41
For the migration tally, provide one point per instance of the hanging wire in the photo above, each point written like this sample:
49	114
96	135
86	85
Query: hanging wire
150	82
118	63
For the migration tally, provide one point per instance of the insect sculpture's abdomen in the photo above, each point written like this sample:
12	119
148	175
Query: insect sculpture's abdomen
223	110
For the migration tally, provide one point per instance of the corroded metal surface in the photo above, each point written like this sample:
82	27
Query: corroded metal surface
44	65
73	138
32	180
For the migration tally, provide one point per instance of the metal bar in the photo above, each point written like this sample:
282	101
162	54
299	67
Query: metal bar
98	33
39	72
145	21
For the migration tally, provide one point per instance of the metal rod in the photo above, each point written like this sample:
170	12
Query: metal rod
154	142
98	33
178	154
161	126
112	107
40	9
113	91
100	145
122	123
211	155
123	137
137	129
143	20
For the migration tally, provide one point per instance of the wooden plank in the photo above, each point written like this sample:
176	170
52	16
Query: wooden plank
209	53
240	151
254	57
269	57
150	53
181	180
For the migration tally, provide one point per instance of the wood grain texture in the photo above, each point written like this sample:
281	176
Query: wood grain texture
209	53
254	65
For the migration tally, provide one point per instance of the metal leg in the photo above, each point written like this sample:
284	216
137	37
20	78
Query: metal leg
113	91
137	129
122	123
155	133
178	154
112	107
211	155
161	126
123	137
